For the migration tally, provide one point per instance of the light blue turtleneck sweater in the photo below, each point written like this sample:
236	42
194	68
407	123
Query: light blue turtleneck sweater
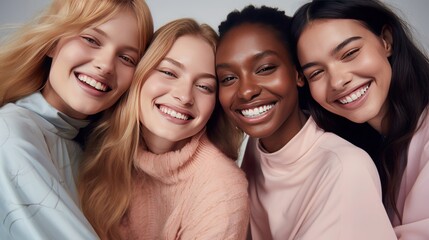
38	169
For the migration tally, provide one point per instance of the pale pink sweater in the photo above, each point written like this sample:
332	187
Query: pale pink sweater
413	198
194	193
318	186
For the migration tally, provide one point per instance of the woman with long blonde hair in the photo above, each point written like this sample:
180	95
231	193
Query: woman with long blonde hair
160	166
75	60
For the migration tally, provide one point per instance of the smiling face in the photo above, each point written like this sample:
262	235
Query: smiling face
258	83
178	97
90	71
347	68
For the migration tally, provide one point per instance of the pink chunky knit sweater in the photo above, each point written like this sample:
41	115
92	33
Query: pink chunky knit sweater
194	193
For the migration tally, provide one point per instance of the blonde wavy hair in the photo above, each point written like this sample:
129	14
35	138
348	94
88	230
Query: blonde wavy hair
23	57
106	173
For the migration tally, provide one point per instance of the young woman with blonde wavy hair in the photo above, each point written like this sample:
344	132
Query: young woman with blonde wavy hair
160	166
75	60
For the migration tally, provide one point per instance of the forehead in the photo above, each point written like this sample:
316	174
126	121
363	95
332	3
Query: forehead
250	37
190	45
332	30
192	51
121	27
320	37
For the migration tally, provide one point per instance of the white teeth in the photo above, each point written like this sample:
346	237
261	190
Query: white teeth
256	111
173	113
92	82
354	96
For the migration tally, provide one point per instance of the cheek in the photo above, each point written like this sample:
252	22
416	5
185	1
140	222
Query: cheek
317	90
206	106
125	77
154	87
283	85
226	95
70	52
147	95
210	103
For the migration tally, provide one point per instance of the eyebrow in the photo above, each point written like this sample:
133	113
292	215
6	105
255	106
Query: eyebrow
104	34
174	62
257	56
264	53
181	66
344	43
334	51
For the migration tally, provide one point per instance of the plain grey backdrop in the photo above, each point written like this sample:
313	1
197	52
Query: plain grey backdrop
15	12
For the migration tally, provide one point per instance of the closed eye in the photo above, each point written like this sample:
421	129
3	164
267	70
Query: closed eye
266	69
205	88
314	74
91	41
168	73
128	60
227	80
350	54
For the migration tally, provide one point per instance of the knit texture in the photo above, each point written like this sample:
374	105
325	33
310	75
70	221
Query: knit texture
193	193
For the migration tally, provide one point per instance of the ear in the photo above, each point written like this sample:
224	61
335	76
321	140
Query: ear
387	38
300	79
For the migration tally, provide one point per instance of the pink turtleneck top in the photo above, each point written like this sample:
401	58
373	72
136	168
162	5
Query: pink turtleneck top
193	193
318	186
413	197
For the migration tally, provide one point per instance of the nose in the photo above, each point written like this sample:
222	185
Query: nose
339	79
248	88
183	93
104	61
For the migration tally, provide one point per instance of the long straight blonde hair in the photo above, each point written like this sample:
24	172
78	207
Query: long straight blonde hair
24	65
106	173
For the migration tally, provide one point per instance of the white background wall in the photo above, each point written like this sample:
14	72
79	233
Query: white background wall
415	12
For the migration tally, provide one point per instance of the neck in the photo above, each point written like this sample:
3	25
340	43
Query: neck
284	133
160	145
379	123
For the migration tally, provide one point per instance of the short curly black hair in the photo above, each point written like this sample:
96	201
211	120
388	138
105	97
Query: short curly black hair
264	15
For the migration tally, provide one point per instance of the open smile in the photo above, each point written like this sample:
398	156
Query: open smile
102	87
257	111
173	113
355	95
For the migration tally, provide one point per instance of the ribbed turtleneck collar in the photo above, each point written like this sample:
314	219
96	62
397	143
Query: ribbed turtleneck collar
298	146
64	125
172	166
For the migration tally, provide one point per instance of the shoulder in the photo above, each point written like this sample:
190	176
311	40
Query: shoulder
18	124
347	159
219	171
21	139
224	170
340	149
422	131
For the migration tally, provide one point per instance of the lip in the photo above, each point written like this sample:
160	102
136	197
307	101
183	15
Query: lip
255	112
175	114
92	83
355	97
